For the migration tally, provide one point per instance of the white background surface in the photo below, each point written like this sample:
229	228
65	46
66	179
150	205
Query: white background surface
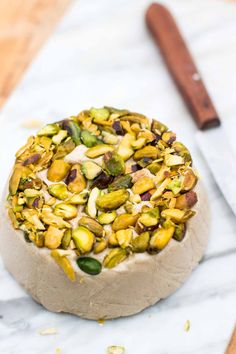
101	53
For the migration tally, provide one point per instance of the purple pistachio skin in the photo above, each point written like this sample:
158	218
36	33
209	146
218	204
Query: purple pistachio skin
135	167
118	128
102	181
71	176
31	160
146	196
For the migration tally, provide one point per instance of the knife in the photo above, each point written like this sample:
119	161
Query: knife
211	138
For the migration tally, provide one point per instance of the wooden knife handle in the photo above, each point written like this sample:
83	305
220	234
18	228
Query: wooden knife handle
232	345
181	65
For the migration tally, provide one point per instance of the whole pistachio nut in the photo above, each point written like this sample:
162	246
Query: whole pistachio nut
66	211
112	241
114	164
114	257
161	238
143	185
158	127
98	150
61	135
66	239
182	151
53	237
75	180
150	218
100	246
180	230
91	224
141	242
83	239
124	221
186	200
78	199
89	265
124	237
189	181
148	151
154	167
59	191
107	218
125	149
72	129
89	139
112	200
99	114
109	138
49	130
168	137
121	182
58	170
90	169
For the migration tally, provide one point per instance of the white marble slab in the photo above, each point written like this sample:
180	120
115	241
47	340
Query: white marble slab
101	53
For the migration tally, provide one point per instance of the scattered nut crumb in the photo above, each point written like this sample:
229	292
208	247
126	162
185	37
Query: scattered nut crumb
101	322
187	326
32	124
114	349
81	281
48	331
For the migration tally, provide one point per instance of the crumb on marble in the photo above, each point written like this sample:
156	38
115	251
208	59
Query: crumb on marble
32	124
48	331
187	326
115	349
101	322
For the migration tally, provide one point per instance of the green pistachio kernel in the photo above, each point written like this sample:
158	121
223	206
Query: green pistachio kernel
89	265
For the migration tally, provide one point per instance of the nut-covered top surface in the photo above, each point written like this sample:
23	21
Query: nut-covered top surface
100	186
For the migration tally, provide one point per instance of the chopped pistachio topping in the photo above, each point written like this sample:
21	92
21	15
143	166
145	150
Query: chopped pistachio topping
99	186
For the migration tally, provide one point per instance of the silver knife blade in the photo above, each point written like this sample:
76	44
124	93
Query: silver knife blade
220	158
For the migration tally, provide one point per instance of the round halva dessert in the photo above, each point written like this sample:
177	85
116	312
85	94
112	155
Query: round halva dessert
103	215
